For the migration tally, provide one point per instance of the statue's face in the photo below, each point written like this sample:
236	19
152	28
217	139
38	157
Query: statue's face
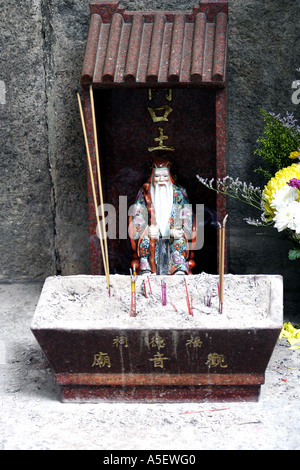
161	177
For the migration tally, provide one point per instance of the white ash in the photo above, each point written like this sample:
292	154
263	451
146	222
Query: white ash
83	302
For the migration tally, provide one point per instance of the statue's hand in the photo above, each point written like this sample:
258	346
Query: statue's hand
153	231
176	233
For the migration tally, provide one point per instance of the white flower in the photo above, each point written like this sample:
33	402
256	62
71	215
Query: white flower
296	221
284	197
287	217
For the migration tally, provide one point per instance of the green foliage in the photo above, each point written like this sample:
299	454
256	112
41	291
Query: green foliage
280	137
294	254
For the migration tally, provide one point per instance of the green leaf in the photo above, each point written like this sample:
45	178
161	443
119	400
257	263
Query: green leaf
276	143
294	254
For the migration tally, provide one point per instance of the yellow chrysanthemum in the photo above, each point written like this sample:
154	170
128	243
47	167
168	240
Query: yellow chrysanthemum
279	181
294	155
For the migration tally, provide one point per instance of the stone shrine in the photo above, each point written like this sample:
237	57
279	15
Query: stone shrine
158	85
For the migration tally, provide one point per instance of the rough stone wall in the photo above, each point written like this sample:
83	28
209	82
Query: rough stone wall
65	28
43	208
43	205
264	53
26	210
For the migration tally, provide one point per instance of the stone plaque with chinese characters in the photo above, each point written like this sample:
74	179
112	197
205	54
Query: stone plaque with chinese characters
155	351
160	351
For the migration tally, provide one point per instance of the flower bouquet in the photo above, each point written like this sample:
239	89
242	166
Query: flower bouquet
279	201
281	204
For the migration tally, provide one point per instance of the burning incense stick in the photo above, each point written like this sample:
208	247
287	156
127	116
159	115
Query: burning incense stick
221	262
93	190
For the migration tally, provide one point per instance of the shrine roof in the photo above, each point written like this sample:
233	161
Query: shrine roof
156	48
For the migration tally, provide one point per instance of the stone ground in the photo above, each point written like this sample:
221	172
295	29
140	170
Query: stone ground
33	418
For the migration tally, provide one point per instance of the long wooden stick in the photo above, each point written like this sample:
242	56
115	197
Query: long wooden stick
220	258
99	174
133	294
93	187
221	274
221	262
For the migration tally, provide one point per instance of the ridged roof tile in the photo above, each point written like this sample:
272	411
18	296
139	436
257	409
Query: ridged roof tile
146	48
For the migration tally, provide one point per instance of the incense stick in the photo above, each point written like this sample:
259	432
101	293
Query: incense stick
93	189
187	299
221	262
145	290
207	301
149	285
99	173
164	292
220	283
133	294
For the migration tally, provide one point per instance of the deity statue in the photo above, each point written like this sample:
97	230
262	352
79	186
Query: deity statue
161	224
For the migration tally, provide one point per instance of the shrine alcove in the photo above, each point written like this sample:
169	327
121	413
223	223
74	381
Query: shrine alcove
158	81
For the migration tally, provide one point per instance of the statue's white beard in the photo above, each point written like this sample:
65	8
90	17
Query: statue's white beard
162	198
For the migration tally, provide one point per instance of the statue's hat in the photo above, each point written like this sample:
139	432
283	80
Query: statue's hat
161	162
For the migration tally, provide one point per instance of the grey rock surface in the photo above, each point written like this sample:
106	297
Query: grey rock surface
263	55
26	211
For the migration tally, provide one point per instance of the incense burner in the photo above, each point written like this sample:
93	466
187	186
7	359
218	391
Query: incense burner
166	353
